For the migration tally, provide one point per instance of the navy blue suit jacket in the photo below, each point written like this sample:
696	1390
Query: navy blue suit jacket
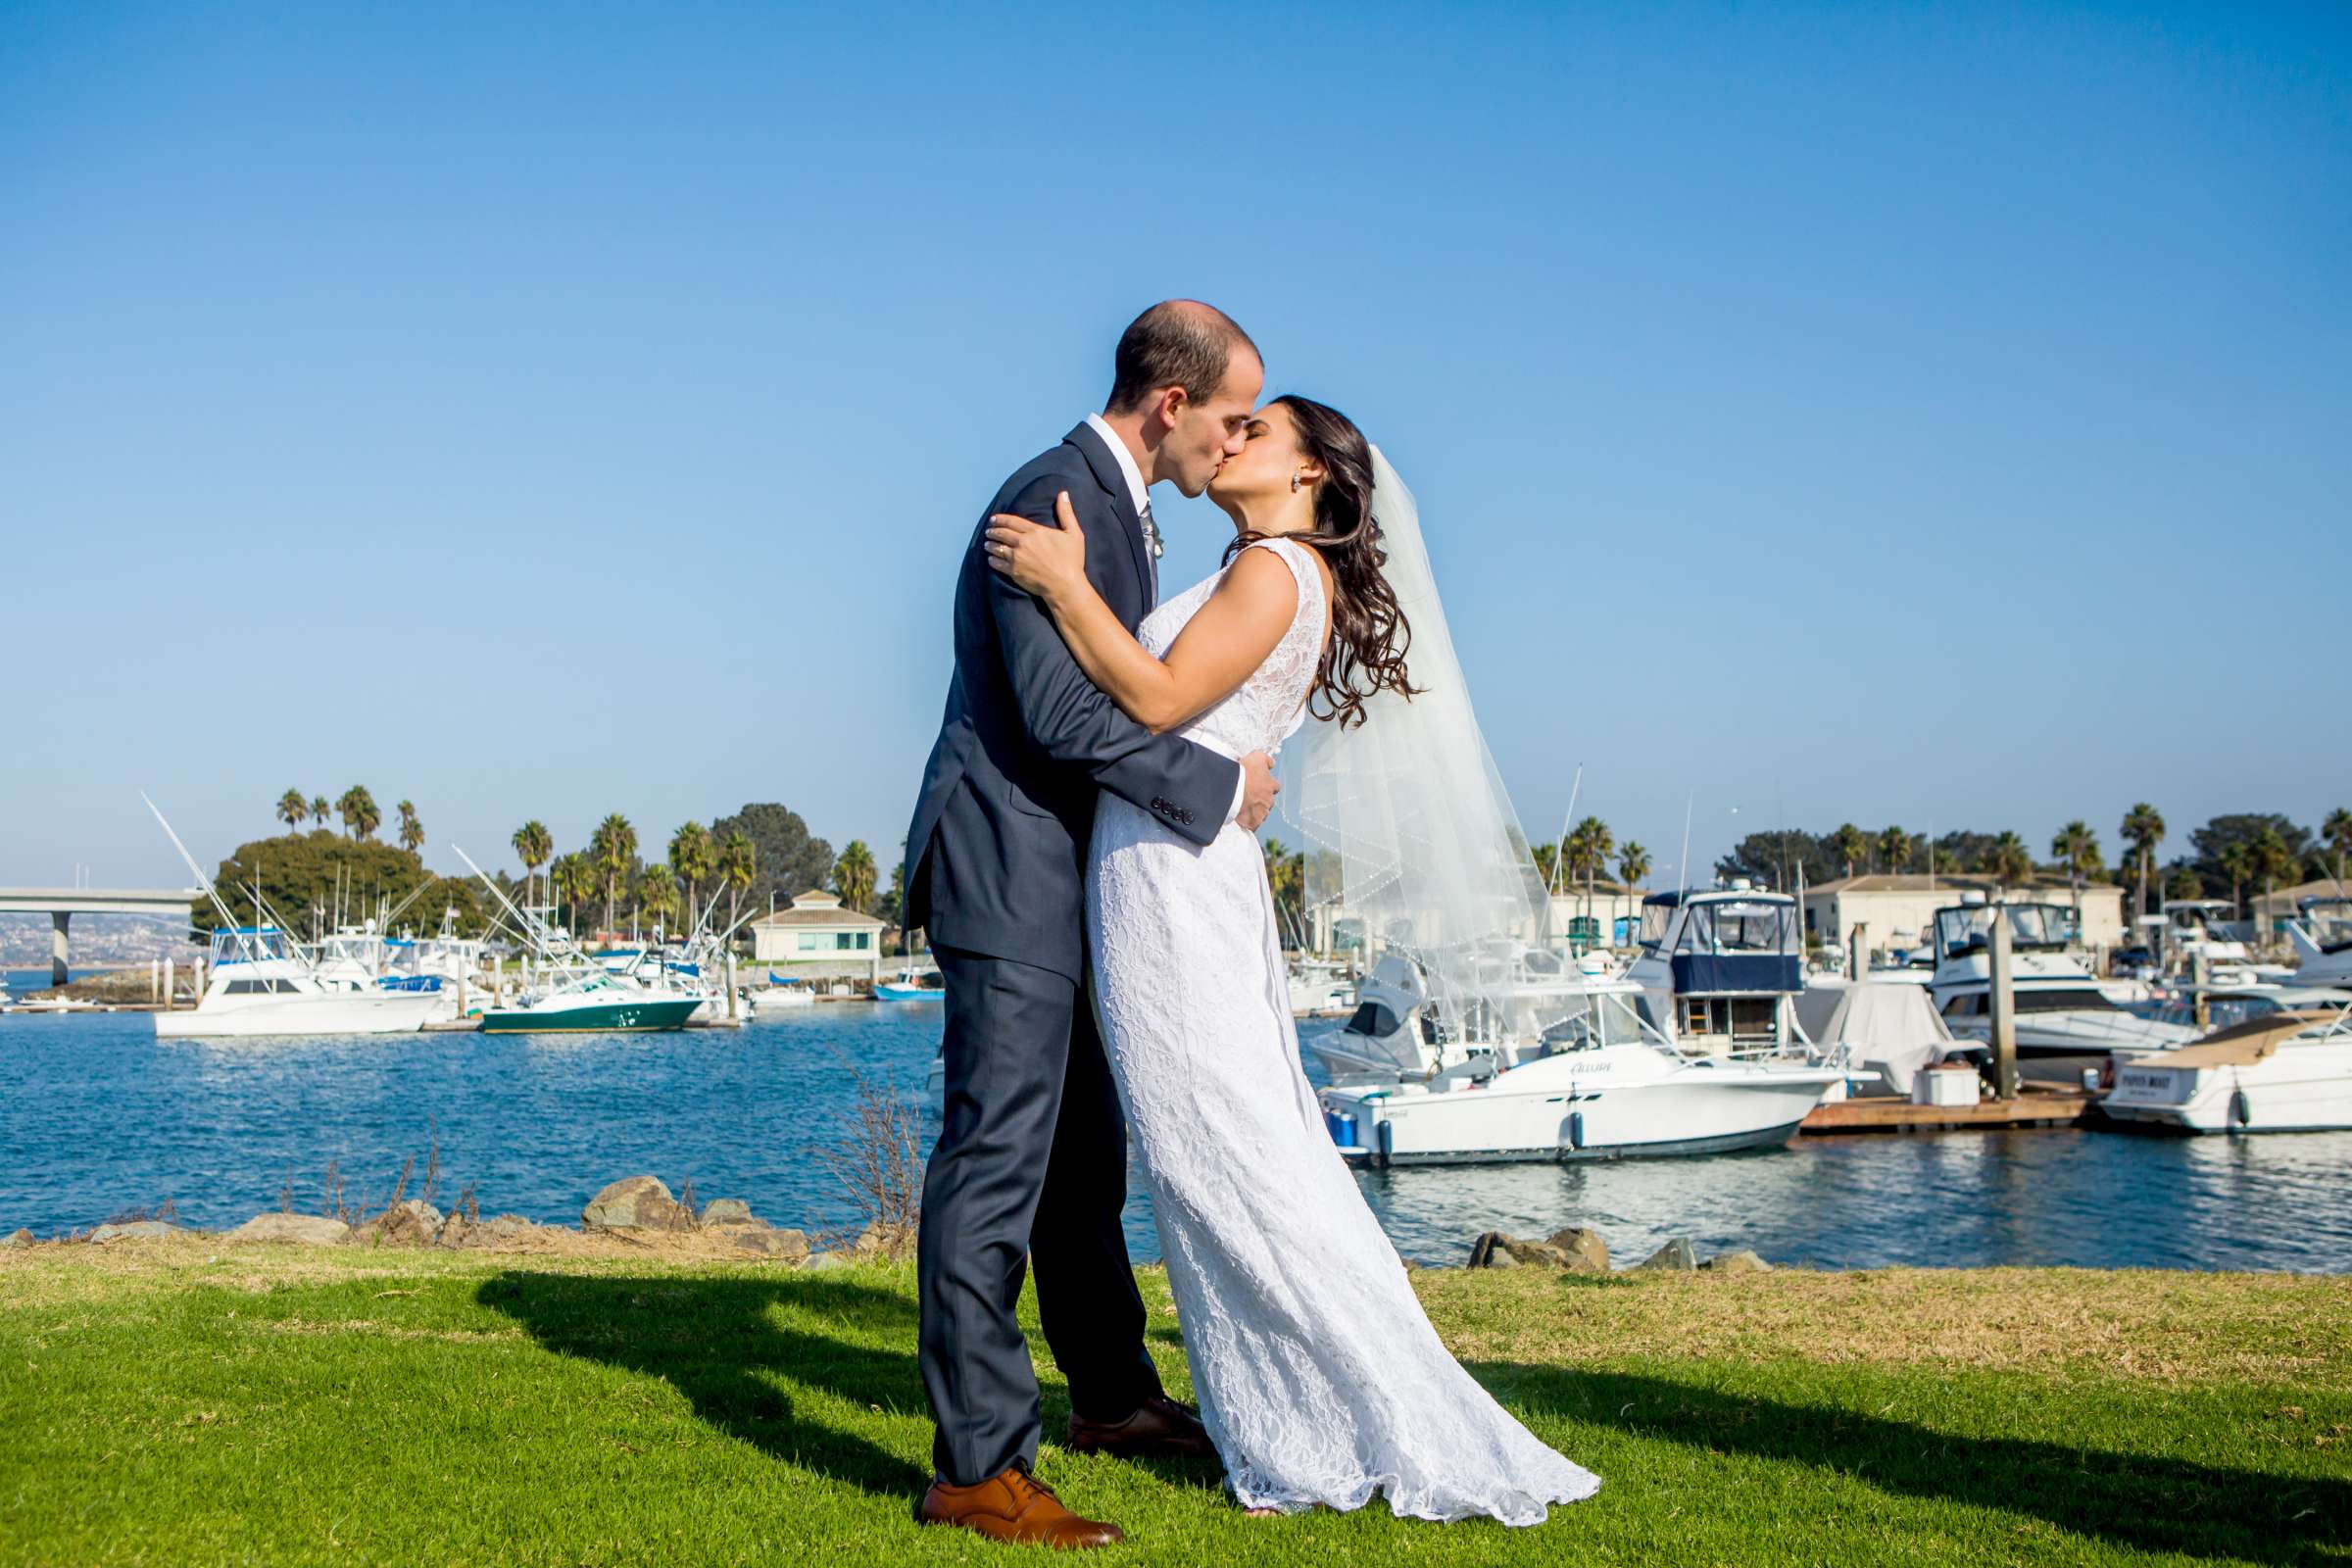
996	852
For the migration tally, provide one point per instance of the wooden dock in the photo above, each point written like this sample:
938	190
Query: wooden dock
2034	1107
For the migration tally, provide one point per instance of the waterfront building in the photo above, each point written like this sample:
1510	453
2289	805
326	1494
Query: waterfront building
817	938
1898	910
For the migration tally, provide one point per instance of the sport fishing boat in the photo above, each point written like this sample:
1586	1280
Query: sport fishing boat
590	1002
567	992
1597	1081
2288	1071
2060	1010
259	985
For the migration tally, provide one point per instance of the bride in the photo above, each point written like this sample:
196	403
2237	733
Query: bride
1319	1378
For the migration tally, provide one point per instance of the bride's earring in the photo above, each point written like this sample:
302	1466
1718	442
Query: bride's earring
1294	481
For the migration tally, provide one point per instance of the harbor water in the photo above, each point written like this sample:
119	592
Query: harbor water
98	1117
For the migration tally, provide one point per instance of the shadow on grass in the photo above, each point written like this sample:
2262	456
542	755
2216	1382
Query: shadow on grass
2137	1501
728	1345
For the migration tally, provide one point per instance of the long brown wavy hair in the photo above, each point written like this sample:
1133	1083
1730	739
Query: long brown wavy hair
1369	634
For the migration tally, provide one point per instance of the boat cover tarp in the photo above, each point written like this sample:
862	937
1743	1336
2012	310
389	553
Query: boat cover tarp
1891	1026
2242	1045
1699	973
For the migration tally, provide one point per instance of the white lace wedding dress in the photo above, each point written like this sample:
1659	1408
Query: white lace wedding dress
1318	1375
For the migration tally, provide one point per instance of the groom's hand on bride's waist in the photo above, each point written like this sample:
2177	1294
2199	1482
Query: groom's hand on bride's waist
1258	789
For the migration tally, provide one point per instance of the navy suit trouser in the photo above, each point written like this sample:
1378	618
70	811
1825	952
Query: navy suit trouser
1031	1163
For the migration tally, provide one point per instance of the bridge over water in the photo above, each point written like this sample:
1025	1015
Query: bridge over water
60	905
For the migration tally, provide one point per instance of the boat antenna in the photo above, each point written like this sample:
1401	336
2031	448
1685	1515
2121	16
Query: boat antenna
1689	801
1565	823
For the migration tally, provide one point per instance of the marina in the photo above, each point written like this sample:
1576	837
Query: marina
100	1116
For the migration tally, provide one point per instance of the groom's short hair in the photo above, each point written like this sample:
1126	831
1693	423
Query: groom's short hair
1175	343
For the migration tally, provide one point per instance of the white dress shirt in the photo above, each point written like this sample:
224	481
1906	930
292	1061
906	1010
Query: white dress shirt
1139	494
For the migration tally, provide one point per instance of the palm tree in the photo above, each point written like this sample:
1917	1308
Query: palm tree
1633	865
1547	857
1286	879
411	831
614	846
658	893
292	807
575	876
321	810
854	875
2272	860
2007	861
533	844
1849	843
358	811
2337	831
738	864
1894	847
2238	865
693	857
2077	849
2184	883
2143	830
1586	851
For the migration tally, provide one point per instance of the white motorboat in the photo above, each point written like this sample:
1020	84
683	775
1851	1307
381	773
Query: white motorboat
1320	986
2288	1071
782	996
2060	1010
259	986
2322	939
1598	1081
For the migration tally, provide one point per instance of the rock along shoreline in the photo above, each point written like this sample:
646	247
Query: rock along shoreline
637	1215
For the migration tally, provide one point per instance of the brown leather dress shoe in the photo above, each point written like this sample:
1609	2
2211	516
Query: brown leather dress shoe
1014	1507
1162	1429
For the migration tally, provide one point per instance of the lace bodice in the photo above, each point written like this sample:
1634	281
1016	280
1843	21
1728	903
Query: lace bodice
1268	708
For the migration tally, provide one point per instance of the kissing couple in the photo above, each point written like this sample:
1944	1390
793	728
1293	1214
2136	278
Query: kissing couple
1087	870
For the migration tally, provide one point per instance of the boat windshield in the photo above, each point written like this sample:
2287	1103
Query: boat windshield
2031	926
247	944
1740	926
2331	922
1604	1018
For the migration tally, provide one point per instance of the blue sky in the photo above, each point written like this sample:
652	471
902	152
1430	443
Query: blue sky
1907	414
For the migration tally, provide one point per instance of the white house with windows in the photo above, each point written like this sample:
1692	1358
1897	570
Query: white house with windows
817	938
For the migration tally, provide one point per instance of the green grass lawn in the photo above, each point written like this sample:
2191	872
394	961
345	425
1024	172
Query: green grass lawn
192	1401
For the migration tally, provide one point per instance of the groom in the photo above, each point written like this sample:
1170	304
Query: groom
1031	1161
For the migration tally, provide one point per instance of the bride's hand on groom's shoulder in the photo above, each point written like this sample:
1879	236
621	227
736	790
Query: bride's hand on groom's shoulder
1046	561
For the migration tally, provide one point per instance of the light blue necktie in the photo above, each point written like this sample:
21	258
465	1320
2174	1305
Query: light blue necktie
1150	542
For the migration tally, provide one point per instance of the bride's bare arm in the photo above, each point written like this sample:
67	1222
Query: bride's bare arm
1228	638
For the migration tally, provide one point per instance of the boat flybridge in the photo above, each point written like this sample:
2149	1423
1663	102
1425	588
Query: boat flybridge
2322	937
1566	1068
1720	970
2060	1010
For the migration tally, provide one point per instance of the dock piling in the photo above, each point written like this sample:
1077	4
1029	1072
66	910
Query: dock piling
2004	1008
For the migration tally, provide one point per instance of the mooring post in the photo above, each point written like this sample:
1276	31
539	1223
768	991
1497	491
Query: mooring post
168	982
731	985
2004	1008
1858	963
2200	974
